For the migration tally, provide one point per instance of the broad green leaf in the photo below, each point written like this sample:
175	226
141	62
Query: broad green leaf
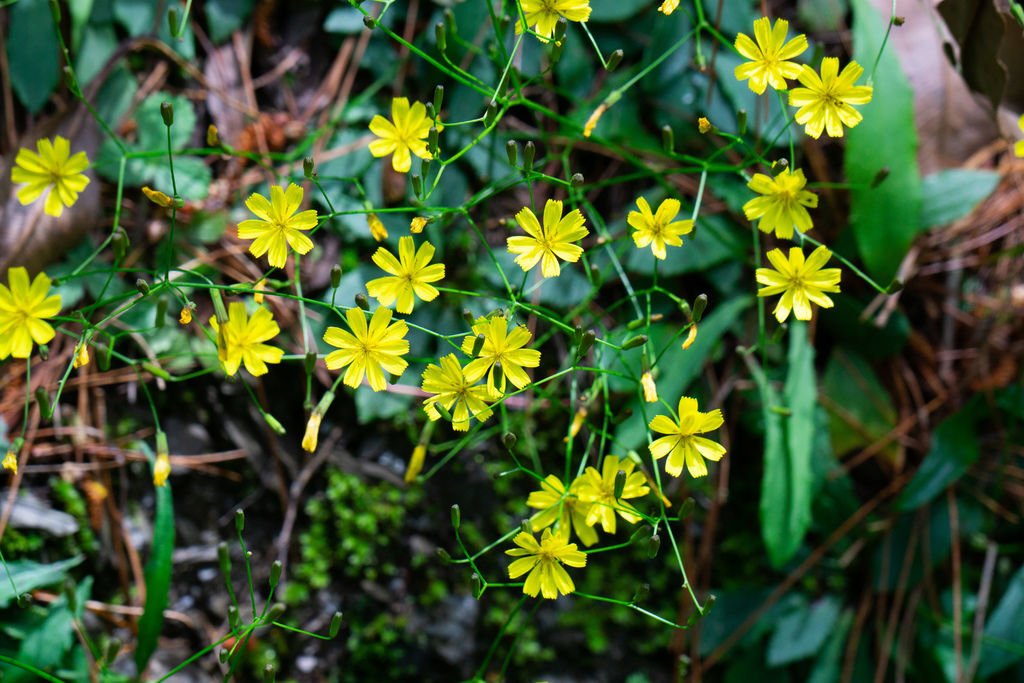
613	10
98	44
789	442
80	11
158	578
802	633
46	645
954	449
952	194
828	666
28	575
137	16
33	58
860	410
1003	643
224	16
344	21
885	218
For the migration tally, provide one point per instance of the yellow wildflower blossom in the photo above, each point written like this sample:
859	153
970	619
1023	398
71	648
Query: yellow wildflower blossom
703	125
185	317
668	7
500	347
660	228
649	387
161	469
417	224
52	167
411	275
551	242
462	398
405	136
542	562
157	197
543	15
782	204
242	340
801	282
826	101
598	489
277	226
562	508
23	310
368	349
682	445
81	355
769	57
10	462
377	229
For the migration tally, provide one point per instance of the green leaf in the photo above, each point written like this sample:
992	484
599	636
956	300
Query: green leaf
137	16
789	442
802	633
28	575
885	218
158	578
954	449
613	10
98	44
46	645
860	409
828	665
344	21
952	194
1003	643
224	16
33	60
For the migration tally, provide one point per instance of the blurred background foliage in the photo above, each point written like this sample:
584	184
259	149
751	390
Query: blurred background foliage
865	525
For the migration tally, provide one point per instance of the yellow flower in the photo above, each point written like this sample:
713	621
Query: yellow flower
185	317
542	15
769	57
417	224
411	275
242	340
1018	147
683	446
157	197
703	125
691	336
649	387
406	136
455	393
10	462
23	308
377	229
782	205
371	350
53	168
658	229
561	508
309	439
419	454
500	347
81	355
258	289
800	282
595	116
549	243
161	470
278	226
544	562
598	489
668	7
825	104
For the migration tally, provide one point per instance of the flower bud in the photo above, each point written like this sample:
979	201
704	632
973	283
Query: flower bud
417	224
703	125
687	507
335	625
438	97
440	37
273	423
741	121
308	169
369	22
269	674
634	342
443	554
699	304
529	152
560	26
649	387
620	483
43	400
478	345
185	317
490	114
81	355
456	516
142	286
167	113
653	544
508	439
576	180
224	558
467	315
157	197
595	116
512	150
586	341
614	59
417	185
275	573
668	139
691	337
212	136
377	229
415	466
641	592
119	241
362	302
239	520
172	20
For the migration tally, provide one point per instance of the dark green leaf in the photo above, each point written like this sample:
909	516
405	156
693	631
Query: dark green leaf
28	575
137	16
885	218
860	410
801	633
954	449
952	194
613	10
224	16
33	60
1003	643
158	578
344	21
828	666
45	646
